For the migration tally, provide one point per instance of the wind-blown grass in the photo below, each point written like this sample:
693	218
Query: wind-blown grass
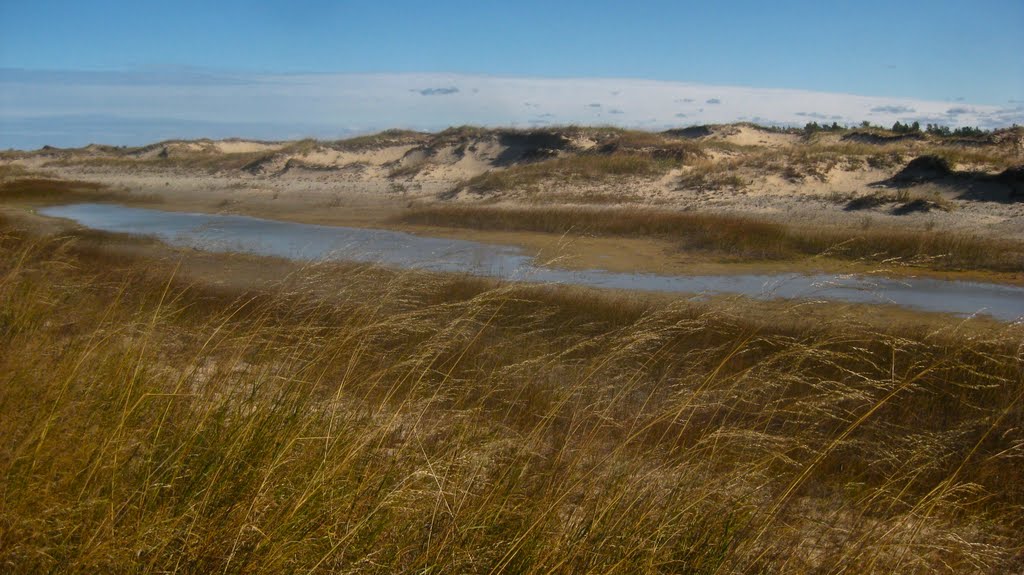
365	421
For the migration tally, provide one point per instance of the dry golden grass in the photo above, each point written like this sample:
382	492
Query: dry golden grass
794	163
989	158
8	171
409	423
379	140
737	237
713	175
41	189
45	190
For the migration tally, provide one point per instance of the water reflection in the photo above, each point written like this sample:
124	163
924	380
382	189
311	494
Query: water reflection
229	233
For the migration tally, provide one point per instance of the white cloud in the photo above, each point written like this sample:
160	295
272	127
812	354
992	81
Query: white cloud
221	105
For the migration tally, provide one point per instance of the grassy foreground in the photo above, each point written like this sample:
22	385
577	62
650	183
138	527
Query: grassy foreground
354	420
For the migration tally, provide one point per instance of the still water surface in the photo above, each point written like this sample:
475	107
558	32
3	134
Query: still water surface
229	233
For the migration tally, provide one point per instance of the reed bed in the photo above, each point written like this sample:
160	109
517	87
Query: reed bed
42	190
738	237
357	420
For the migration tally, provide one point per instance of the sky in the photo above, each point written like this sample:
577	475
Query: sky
129	72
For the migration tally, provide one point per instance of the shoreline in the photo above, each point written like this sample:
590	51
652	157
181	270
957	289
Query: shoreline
149	246
602	253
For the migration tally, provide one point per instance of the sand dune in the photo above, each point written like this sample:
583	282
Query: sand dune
787	175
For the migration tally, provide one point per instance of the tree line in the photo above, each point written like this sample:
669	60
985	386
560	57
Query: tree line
901	128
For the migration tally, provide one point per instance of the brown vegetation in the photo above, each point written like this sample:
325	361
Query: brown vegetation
410	423
567	169
740	237
43	190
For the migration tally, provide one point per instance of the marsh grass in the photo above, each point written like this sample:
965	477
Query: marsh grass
381	422
739	237
9	171
44	190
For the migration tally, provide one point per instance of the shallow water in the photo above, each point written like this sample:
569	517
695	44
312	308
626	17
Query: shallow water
225	233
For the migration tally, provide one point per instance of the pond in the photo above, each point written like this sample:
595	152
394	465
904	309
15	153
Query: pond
231	233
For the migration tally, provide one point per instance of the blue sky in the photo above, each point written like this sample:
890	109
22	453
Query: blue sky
958	54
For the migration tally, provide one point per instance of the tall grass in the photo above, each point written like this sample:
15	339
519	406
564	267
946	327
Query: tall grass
713	175
8	171
738	237
363	421
44	190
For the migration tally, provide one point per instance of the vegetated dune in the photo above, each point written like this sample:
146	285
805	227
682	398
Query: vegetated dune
1005	186
789	175
170	410
469	151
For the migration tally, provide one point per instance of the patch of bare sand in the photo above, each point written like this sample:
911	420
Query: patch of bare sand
329	157
743	135
452	169
245	146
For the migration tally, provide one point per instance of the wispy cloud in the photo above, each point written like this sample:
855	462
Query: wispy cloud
438	91
138	107
892	109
